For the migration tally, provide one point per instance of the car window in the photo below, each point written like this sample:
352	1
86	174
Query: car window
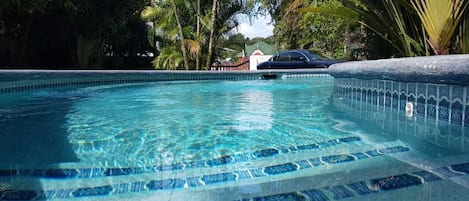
274	58
296	56
283	56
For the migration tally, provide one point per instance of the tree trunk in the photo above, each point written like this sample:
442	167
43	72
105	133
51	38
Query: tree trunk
181	35
212	33
197	59
348	42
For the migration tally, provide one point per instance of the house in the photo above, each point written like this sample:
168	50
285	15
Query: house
255	53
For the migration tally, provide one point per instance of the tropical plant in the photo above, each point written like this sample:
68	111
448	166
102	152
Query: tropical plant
198	27
440	19
169	59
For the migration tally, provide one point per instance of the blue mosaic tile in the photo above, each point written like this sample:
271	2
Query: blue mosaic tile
466	115
56	173
242	157
166	184
18	195
195	164
446	172
282	197
427	176
337	159
393	150
443	110
193	182
461	168
329	143
431	107
138	187
395	101
349	139
373	153
456	112
283	150
360	155
220	161
388	98
8	173
243	174
340	192
420	106
280	169
360	188
62	193
122	188
396	182
293	148
44	195
315	162
444	91
265	153
177	166
309	146
257	172
118	171
217	178
315	195
304	164
94	191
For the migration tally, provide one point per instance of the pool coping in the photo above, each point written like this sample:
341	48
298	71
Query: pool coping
444	69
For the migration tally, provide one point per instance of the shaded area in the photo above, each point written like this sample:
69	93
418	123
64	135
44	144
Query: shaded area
33	135
73	34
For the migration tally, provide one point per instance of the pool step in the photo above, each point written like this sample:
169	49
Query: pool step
90	187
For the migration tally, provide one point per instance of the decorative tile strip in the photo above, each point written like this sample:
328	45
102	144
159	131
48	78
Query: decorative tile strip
179	183
448	103
64	80
364	188
224	160
440	112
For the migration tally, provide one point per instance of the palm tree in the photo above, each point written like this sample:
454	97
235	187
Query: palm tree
212	33
181	34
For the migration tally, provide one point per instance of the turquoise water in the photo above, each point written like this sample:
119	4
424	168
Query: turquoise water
217	140
177	121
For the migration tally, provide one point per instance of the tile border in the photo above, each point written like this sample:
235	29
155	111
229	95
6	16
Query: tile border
20	81
203	180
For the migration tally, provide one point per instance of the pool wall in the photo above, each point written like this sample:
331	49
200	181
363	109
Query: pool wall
394	93
12	81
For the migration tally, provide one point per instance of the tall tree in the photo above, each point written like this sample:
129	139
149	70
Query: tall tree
199	13
212	33
181	34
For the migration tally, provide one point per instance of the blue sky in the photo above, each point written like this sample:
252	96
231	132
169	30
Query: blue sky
258	27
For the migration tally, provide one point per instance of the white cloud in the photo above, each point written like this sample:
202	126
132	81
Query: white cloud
259	27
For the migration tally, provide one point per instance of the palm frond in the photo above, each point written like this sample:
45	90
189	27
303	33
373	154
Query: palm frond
440	19
194	47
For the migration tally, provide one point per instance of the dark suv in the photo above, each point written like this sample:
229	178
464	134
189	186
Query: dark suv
292	59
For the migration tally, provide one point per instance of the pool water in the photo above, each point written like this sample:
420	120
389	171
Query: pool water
286	139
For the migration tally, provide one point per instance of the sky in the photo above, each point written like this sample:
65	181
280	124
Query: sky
259	27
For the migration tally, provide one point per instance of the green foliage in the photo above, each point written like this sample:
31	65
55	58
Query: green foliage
196	38
60	27
169	59
319	25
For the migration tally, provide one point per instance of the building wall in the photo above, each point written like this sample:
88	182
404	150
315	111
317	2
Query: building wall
254	60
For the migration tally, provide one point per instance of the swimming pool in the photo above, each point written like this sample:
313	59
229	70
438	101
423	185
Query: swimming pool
156	136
